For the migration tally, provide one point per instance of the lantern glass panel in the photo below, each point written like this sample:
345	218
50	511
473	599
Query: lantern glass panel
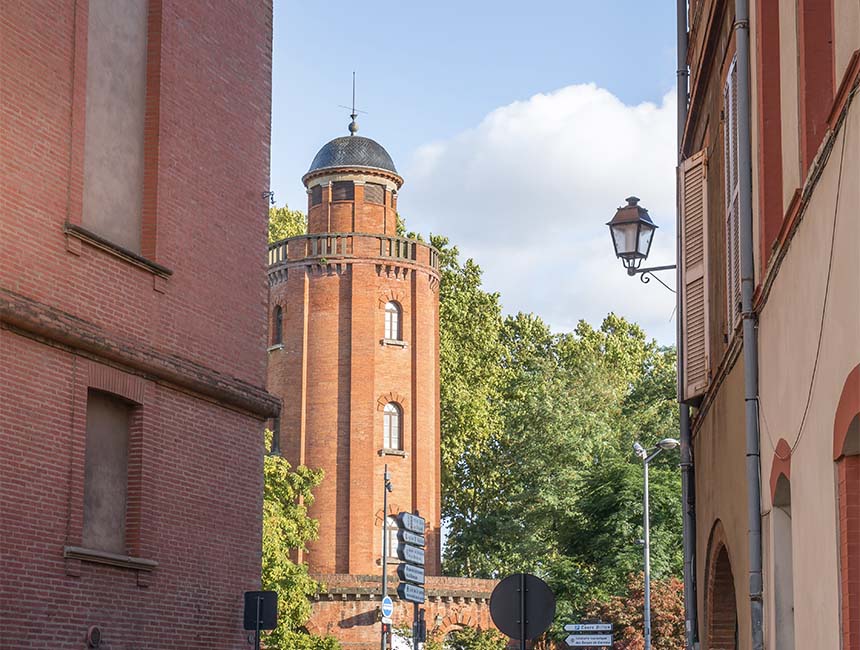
624	237
646	232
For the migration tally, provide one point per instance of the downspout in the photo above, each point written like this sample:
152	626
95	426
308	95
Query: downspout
750	340
688	481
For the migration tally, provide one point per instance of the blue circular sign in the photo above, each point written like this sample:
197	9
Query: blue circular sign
387	606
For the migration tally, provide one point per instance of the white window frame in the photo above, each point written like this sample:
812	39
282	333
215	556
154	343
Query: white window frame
393	313
392	426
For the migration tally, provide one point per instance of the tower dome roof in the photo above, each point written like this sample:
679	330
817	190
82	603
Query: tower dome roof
352	151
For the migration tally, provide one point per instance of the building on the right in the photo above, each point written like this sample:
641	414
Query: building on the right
769	193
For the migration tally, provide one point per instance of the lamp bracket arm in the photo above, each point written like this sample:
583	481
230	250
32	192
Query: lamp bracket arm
646	274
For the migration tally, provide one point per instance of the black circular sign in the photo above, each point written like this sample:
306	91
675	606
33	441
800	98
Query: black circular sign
522	606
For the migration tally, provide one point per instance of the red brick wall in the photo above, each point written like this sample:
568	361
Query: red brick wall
179	341
335	376
348	608
213	136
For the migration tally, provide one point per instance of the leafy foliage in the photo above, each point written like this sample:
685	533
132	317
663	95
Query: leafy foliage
626	611
468	638
284	223
287	528
537	434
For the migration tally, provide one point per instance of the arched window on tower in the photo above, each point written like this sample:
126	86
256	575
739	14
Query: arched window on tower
391	531
278	326
392	428
392	321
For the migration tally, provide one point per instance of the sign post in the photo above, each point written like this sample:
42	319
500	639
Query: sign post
411	569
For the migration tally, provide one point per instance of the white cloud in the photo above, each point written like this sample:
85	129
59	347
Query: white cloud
527	193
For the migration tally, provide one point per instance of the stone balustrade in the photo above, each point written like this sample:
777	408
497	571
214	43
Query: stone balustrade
330	246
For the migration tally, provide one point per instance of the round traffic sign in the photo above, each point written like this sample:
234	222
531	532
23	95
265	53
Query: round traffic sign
522	606
387	606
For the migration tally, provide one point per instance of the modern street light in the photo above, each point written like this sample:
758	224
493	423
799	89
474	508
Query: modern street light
632	232
664	445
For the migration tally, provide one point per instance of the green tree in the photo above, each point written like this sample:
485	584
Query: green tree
287	528
284	223
470	378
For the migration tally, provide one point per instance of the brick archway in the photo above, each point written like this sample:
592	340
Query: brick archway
721	604
846	454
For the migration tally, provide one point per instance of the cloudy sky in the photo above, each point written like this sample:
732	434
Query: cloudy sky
519	128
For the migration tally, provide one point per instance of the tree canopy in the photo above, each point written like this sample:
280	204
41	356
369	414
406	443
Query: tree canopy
537	434
284	223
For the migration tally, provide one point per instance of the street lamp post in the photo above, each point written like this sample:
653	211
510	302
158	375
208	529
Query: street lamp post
386	477
664	445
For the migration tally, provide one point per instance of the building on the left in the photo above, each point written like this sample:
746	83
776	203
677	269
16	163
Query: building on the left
134	155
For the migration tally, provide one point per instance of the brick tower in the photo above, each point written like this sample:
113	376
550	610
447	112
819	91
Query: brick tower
354	355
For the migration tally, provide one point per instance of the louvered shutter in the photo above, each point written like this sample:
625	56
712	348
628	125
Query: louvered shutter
694	274
733	233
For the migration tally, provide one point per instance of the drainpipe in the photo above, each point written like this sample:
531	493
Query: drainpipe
688	493
750	340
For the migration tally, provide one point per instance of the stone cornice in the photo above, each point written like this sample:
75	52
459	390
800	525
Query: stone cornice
61	329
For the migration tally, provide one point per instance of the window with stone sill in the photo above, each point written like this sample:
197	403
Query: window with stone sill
393	330
392	421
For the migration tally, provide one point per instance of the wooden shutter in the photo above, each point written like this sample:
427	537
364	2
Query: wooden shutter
693	186
733	230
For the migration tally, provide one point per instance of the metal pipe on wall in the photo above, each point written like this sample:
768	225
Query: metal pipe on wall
750	335
687	471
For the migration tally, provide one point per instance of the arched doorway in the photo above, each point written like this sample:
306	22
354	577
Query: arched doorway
722	623
846	455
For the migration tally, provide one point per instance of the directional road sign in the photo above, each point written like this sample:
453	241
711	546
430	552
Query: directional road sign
410	573
387	607
412	554
589	640
412	523
588	627
410	538
412	593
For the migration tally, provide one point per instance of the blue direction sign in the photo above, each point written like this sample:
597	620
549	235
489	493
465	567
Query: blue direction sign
412	593
412	523
411	554
411	573
387	607
410	538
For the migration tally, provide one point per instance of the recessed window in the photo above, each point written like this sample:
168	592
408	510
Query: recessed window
342	191
316	195
275	449
392	321
106	472
392	421
374	193
278	326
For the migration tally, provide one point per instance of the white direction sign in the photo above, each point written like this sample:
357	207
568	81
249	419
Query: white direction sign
588	627
589	640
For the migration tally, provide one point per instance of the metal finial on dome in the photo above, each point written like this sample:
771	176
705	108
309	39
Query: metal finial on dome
353	125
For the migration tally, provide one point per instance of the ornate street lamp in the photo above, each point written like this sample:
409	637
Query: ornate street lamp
632	231
665	444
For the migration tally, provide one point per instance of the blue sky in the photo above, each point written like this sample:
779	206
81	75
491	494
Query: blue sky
518	126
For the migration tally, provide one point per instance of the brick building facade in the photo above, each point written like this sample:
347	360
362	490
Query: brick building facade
354	354
134	138
772	337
